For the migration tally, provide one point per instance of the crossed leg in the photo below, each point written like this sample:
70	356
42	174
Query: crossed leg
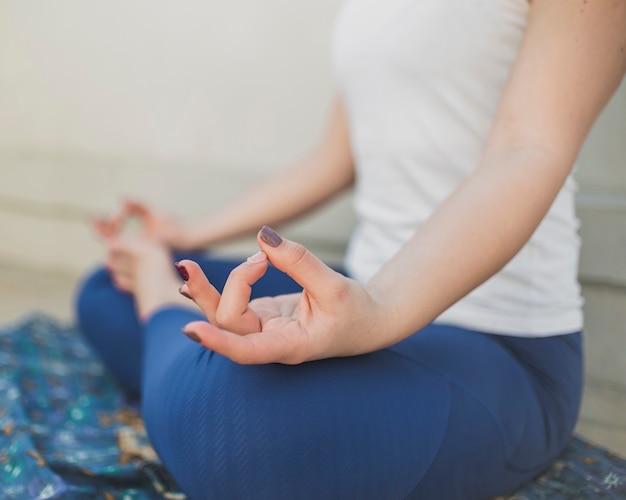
432	417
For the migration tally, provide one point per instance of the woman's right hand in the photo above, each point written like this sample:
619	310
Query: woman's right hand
172	232
333	316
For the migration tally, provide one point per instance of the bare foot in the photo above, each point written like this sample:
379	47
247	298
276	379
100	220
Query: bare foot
144	268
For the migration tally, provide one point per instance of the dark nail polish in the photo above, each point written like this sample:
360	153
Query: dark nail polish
269	236
193	336
182	271
183	293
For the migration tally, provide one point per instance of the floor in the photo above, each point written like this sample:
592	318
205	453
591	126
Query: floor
24	291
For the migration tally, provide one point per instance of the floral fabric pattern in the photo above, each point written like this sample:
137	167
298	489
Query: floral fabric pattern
66	431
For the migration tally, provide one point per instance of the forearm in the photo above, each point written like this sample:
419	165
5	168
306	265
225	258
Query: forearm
468	239
287	193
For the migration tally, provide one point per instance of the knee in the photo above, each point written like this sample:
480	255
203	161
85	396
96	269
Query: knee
98	302
106	318
90	292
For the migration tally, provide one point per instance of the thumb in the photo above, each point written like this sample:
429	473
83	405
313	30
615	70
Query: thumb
298	262
134	207
103	227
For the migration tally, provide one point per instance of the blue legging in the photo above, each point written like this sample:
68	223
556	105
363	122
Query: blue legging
448	413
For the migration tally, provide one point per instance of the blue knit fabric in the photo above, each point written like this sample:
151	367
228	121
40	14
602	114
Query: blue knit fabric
447	413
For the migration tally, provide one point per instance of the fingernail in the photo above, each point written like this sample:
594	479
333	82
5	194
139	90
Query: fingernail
193	336
182	271
183	293
257	258
269	236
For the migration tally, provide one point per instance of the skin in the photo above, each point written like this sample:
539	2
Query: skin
291	191
570	63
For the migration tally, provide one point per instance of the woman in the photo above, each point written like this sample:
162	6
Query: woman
459	124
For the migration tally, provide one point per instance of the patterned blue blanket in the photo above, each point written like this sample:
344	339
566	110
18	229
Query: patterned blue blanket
66	432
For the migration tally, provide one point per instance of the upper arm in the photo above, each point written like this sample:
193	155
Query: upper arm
571	61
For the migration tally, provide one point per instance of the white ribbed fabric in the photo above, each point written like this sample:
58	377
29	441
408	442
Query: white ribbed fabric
421	80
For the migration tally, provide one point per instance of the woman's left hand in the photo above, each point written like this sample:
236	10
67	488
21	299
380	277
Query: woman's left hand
333	316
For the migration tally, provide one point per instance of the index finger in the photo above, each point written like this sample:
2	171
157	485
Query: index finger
132	207
306	269
198	288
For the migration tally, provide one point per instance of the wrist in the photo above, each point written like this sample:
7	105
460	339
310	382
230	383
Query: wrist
391	307
184	236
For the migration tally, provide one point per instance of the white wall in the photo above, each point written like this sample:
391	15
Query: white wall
179	103
183	104
602	210
236	83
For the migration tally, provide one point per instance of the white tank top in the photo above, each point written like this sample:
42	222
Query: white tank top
421	80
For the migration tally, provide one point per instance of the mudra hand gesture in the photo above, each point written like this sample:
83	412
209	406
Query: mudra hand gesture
332	316
173	233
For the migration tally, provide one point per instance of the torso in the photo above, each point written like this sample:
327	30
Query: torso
421	80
